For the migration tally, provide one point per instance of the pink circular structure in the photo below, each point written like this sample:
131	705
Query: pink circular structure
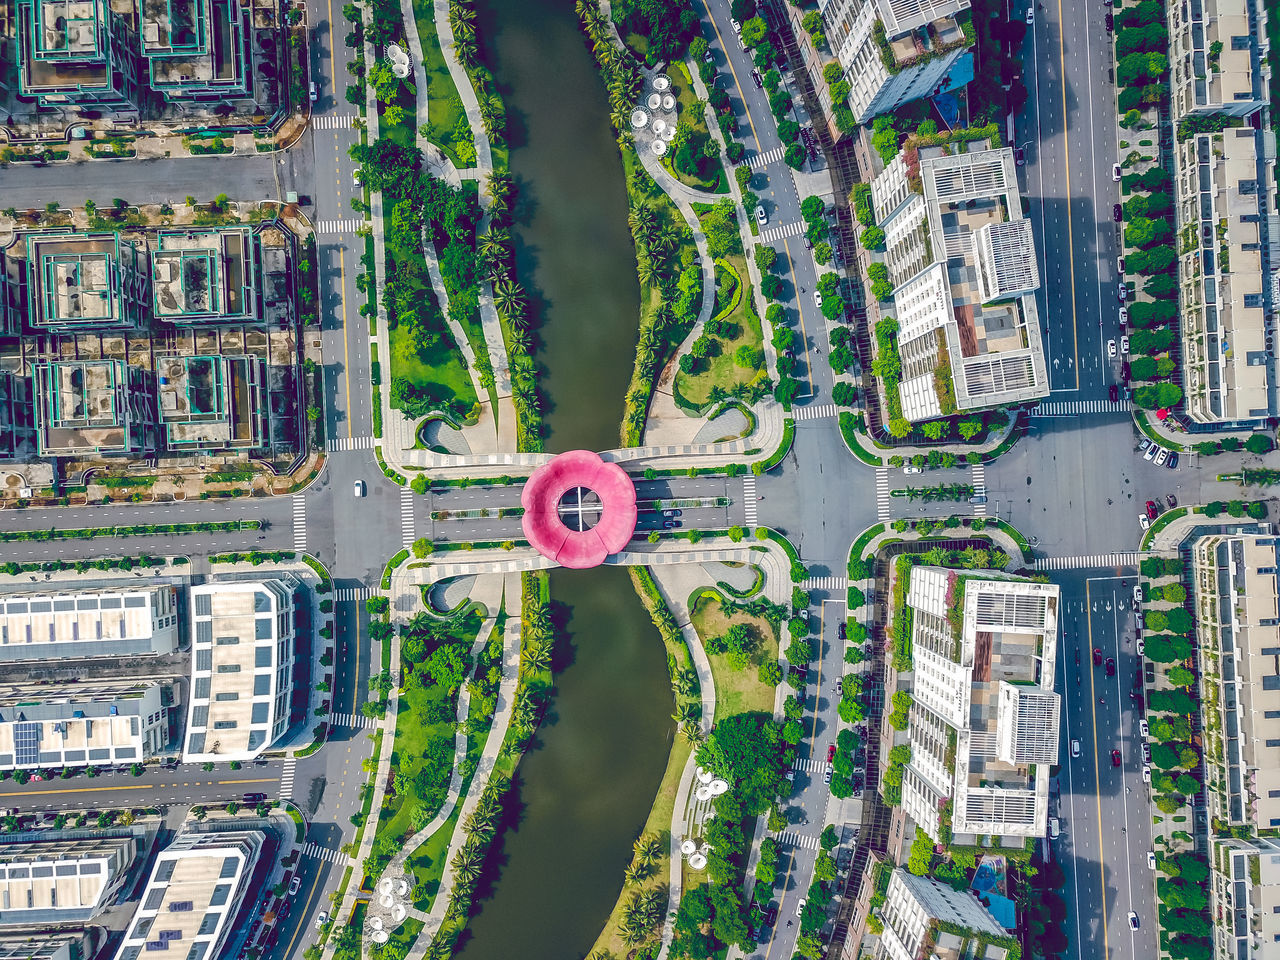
578	509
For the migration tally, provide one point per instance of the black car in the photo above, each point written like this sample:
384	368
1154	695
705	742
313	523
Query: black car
843	631
771	915
1117	213
1113	392
254	797
1111	23
1172	462
1019	156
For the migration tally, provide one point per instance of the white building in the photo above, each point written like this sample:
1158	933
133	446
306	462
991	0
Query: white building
242	644
61	881
962	260
83	724
68	945
1215	59
192	896
896	51
104	622
984	726
921	913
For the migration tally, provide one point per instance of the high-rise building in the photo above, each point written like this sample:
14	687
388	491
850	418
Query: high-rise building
927	919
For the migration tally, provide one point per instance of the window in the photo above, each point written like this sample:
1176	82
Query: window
1272	715
226	724
222	697
227	641
228	668
1271	682
1273	743
204	605
1240	43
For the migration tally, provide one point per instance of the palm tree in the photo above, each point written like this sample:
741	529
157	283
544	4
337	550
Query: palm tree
664	315
642	219
481	821
691	732
461	10
634	873
686	712
653	904
521	340
653	847
500	185
464	31
509	297
466	864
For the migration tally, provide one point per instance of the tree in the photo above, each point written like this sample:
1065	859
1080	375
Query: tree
828	839
1167	648
754	32
795	156
766	257
921	857
747	748
885	137
720	224
811	208
1259	443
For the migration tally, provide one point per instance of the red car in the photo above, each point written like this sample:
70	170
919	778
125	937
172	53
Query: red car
831	753
1115	758
1152	510
1097	656
1111	666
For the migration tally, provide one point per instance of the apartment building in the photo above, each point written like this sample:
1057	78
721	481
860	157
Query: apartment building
213	402
243	641
46	882
87	408
101	622
1245	890
195	890
77	53
219	275
962	259
984	726
15	415
198	50
1215	62
65	945
896	51
1225	269
924	918
85	724
84	281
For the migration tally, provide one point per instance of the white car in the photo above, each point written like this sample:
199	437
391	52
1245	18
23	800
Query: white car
1151	860
1144	729
1133	920
359	488
737	27
1031	15
322	918
1142	647
800	906
1124	344
1111	349
1143	522
817	299
295	885
1055	828
1150	452
1115	172
1161	457
1122	291
1137	594
1124	315
1075	748
913	469
1146	774
355	177
761	217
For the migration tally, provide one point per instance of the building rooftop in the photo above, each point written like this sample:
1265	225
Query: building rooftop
212	401
68	945
88	623
90	406
204	274
82	281
60	881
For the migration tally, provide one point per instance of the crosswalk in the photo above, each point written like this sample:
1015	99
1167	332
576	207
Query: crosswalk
1075	408
286	778
882	493
346	225
406	515
799	840
356	720
815	412
978	479
332	121
782	232
352	593
314	849
761	160
1083	563
351	443
826	583
299	523
749	499
808	765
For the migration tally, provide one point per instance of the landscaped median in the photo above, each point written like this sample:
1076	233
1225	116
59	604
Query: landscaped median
135	530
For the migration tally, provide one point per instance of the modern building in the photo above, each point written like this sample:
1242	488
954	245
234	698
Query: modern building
46	882
88	408
64	945
1245	893
213	402
927	919
86	724
101	622
77	53
84	281
198	50
984	725
1215	59
15	414
1226	272
193	895
896	51
208	275
962	260
243	636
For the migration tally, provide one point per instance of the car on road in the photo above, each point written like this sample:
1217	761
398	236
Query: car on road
1097	656
977	498
670	524
1110	23
1124	318
1054	828
1146	753
1117	213
1113	393
673	513
1116	172
761	217
312	93
1031	15
1152	510
737	27
254	797
1171	500
1019	157
1142	646
755	75
826	776
1075	748
1122	291
1161	457
913	469
355	176
1111	349
800	906
817	299
1143	522
808	244
831	753
1111	666
322	918
1151	860
1172	462
1146	773
1137	594
1124	343
771	915
295	885
1150	451
1115	758
1143	729
359	488
1133	920
708	57
843	632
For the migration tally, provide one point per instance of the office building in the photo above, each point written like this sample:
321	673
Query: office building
64	945
87	408
198	50
83	724
927	920
64	881
98	622
77	53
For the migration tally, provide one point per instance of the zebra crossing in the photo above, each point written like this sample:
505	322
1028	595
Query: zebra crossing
286	778
346	225
332	121
356	720
799	840
882	493
816	412
826	583
808	765
314	849
352	593
978	479
782	232
749	499
1093	560
299	523
351	443
761	160
1075	408
406	515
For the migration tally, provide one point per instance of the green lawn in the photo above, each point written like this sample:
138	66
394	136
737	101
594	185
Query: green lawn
397	947
722	370
737	691
446	120
440	364
690	109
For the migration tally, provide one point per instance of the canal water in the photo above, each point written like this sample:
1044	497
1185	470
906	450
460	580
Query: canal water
583	793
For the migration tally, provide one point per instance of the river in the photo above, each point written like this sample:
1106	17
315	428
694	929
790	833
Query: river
584	793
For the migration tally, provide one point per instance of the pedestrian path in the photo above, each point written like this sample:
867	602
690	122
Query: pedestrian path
348	225
355	720
351	443
978	480
882	493
799	840
353	593
815	412
1074	408
332	121
286	778
749	499
782	232
761	160
406	515
1083	563
324	853
826	583
300	523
